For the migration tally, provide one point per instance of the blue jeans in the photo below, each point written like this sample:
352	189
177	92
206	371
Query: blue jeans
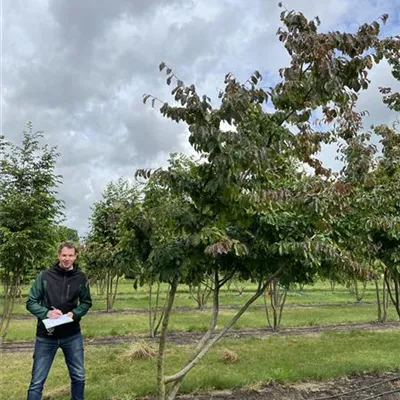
43	356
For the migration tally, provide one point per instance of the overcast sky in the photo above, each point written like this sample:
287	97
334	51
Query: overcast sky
78	69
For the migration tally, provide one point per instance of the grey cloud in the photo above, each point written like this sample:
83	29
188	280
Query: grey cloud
54	85
371	100
82	22
155	134
78	69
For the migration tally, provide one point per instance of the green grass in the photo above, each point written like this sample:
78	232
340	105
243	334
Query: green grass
272	357
110	377
128	298
95	325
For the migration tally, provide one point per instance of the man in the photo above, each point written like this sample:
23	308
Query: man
62	289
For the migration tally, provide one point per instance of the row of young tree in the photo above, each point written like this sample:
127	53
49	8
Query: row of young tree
247	208
30	216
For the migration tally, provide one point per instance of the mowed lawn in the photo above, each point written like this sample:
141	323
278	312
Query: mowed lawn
313	306
112	375
130	299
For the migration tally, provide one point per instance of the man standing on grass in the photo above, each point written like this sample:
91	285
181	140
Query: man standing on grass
62	289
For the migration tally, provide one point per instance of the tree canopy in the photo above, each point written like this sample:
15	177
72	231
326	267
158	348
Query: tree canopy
29	213
251	208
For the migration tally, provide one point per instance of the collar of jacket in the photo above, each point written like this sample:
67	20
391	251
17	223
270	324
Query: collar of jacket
62	271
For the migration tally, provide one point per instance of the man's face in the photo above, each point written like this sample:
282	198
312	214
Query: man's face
66	257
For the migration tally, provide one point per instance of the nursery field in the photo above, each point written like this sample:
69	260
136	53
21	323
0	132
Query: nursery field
325	335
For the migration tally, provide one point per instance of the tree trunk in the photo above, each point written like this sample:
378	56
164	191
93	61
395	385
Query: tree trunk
378	300
101	284
200	294
111	289
9	301
205	339
207	342
108	292
385	302
160	318
393	292
277	299
359	292
156	314
151	327
161	392
114	296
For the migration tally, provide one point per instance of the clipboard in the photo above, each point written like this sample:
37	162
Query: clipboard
53	322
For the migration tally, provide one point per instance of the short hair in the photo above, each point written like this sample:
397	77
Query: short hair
68	245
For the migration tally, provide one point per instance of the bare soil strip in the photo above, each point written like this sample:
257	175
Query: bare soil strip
353	387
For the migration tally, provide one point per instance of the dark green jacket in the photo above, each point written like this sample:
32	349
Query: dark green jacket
66	290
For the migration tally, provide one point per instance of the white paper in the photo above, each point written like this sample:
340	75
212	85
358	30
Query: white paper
52	322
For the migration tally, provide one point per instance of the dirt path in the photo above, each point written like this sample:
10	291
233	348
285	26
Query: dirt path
354	387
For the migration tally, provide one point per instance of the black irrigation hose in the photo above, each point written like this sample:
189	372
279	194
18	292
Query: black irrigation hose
364	388
375	396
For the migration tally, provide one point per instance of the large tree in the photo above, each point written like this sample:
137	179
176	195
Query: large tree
383	222
370	179
66	233
29	211
254	212
105	260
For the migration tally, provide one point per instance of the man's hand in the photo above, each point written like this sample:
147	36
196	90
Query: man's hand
55	313
71	314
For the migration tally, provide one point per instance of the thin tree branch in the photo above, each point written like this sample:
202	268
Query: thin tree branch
163	339
226	279
227	326
213	323
294	110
